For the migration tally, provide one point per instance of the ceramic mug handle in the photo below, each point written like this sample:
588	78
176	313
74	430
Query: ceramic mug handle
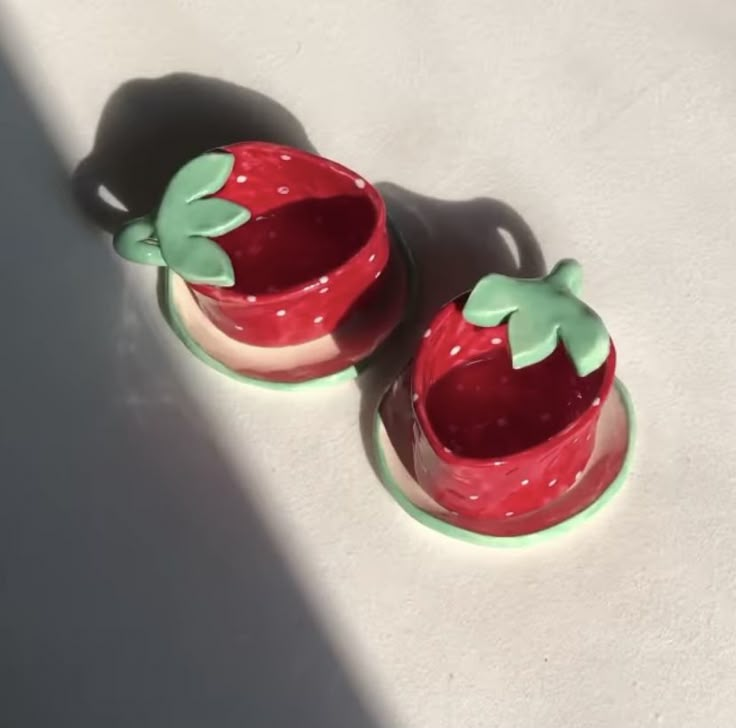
136	241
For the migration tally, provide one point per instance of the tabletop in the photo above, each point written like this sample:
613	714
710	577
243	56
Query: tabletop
180	549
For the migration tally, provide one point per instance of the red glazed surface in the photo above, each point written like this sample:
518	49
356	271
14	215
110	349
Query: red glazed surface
316	244
490	441
605	465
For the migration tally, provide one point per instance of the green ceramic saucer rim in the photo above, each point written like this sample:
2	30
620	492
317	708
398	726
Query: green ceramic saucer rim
174	320
448	529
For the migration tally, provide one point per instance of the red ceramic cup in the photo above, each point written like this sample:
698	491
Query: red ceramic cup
491	441
315	247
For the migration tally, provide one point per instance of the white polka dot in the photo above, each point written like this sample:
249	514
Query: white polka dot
323	279
447	449
455	350
427	333
323	290
473	497
509	513
414	397
319	319
378	275
238	328
578	476
241	178
281	312
283	190
251	299
372	258
496	340
286	157
596	402
360	183
498	462
552	483
502	422
525	481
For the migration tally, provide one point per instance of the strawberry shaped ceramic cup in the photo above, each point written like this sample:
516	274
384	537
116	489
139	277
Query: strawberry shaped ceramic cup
507	422
283	266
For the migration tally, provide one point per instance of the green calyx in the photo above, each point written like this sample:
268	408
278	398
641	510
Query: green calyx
541	312
178	235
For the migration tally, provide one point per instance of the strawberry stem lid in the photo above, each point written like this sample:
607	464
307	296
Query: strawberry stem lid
178	234
539	312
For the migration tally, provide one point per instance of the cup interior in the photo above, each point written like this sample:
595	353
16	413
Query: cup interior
483	408
295	243
310	217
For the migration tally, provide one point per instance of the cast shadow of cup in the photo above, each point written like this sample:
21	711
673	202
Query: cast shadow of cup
150	127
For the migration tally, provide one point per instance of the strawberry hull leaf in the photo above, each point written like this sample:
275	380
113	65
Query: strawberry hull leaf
185	221
214	216
539	312
567	275
587	343
203	176
491	301
531	339
178	237
202	260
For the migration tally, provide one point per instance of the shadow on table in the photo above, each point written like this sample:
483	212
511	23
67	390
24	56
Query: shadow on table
138	585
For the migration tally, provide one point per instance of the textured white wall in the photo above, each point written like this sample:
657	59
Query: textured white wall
609	128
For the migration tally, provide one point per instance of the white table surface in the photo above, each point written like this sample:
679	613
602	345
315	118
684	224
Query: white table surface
178	550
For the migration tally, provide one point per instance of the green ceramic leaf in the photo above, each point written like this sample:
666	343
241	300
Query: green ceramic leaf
214	216
587	342
492	300
178	235
202	260
185	221
531	338
539	311
203	176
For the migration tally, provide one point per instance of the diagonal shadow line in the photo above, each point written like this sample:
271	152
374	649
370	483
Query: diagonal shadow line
138	585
